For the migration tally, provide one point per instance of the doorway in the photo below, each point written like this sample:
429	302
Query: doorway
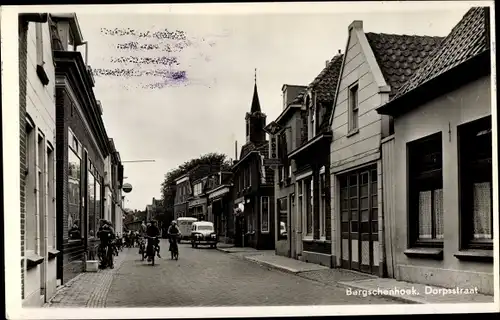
359	220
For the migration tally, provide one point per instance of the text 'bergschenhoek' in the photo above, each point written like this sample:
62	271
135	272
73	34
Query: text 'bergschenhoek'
411	291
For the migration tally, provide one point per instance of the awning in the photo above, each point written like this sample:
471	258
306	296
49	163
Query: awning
319	140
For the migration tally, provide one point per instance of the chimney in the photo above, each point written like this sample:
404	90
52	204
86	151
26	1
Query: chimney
326	63
236	150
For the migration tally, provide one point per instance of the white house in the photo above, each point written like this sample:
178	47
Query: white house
38	161
375	66
439	178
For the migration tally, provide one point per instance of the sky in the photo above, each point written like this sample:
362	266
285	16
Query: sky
176	86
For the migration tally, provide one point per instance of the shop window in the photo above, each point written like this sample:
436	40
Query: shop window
91	206
476	175
283	218
425	191
264	211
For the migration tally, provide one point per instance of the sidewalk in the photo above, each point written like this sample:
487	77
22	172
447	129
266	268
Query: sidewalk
358	283
88	289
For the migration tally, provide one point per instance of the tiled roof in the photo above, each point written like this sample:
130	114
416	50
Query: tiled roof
466	40
325	84
264	150
400	56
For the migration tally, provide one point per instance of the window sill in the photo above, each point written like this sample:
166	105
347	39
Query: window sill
426	253
32	260
352	132
53	253
480	255
42	75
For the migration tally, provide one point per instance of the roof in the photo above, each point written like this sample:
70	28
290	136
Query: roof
467	39
255	107
400	56
325	83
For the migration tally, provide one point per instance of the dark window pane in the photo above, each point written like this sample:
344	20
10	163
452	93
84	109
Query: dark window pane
345	215
353	191
374	227
365	215
374	201
364	178
343	193
354	226
343	181
374	176
374	188
344	204
374	214
354	203
364	203
354	215
345	226
353	180
365	227
363	190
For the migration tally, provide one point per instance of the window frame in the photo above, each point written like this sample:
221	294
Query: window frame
414	187
466	181
353	121
30	187
306	197
322	204
267	198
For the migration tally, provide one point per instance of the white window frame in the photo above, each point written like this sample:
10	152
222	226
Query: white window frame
30	223
303	206
353	109
268	214
322	206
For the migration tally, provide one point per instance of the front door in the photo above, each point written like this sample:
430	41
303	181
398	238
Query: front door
359	220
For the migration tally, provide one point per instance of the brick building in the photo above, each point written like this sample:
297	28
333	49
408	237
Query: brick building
254	184
37	160
82	147
113	182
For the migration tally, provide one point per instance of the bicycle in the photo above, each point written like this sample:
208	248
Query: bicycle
174	247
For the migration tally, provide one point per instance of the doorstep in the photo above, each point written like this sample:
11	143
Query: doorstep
284	264
412	292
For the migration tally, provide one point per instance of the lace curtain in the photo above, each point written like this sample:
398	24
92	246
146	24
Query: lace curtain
482	210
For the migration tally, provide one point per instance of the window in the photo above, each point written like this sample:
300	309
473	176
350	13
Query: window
426	190
353	108
197	189
283	218
40	63
75	224
300	199
476	173
306	192
51	216
91	205
30	236
99	214
313	122
40	216
264	214
322	206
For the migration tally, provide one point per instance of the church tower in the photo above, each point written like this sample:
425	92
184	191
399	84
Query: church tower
255	119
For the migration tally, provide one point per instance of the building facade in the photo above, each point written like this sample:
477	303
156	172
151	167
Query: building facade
254	184
82	147
439	190
182	194
369	77
289	125
113	183
39	255
218	189
312	239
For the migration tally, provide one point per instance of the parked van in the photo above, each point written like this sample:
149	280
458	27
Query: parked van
184	224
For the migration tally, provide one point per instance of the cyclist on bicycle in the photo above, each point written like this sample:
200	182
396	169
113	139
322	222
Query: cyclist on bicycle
153	231
106	234
173	233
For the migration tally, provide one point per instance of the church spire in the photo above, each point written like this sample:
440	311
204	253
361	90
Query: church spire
255	100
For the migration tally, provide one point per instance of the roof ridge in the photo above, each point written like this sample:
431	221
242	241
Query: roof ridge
404	35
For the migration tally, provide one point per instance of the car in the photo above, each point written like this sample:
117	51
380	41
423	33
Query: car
203	233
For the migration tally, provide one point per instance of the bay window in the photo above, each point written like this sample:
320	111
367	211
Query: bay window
426	191
476	191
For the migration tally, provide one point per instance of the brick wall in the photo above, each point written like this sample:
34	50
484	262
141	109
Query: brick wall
23	50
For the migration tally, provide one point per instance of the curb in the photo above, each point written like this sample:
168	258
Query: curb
271	266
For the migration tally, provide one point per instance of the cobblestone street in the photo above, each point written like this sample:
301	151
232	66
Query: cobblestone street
201	277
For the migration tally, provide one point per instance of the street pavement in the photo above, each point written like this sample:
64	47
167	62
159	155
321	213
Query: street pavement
208	277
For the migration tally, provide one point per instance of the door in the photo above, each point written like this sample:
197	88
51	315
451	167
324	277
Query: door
359	220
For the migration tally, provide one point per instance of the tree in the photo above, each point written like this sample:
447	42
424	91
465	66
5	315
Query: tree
168	185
